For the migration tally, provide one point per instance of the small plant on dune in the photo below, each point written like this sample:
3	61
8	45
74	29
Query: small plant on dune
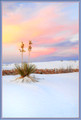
25	69
70	69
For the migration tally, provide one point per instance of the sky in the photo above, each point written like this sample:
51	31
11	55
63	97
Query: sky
53	28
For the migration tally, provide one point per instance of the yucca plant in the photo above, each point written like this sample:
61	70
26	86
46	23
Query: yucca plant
25	69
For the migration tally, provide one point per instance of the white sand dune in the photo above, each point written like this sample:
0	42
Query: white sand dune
48	65
53	96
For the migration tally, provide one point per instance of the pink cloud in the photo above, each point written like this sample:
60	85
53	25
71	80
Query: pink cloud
66	52
48	26
45	23
36	52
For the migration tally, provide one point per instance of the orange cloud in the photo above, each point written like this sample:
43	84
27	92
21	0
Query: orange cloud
44	23
46	27
13	30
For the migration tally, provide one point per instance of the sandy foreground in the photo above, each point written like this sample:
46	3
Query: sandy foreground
54	95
